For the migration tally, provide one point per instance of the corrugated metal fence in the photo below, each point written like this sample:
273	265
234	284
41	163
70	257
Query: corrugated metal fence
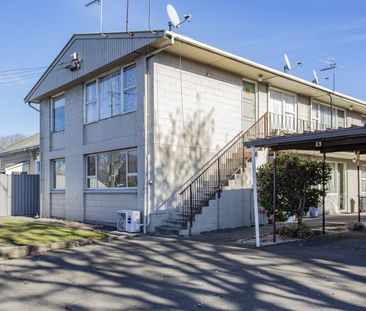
19	195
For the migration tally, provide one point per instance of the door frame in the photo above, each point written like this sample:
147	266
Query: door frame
256	106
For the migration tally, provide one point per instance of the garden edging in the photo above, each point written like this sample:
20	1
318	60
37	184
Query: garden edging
13	252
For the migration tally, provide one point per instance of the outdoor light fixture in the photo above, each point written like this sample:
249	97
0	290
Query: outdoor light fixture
350	108
260	77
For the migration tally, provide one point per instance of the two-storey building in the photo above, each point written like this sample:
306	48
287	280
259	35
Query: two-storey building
154	122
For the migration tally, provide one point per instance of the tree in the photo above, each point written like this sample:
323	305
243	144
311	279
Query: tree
298	185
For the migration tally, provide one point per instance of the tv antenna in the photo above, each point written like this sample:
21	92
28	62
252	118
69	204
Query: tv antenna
332	65
174	20
288	67
315	75
100	2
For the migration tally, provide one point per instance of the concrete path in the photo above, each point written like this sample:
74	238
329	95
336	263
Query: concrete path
153	273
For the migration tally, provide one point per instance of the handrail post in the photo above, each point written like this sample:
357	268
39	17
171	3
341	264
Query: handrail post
218	173
242	145
191	209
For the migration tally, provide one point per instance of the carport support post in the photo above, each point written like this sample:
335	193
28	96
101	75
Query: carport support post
274	196
358	186
323	231
255	198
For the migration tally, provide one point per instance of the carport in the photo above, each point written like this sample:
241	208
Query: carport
351	139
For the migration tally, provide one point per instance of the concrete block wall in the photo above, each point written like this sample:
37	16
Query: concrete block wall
77	140
197	110
232	209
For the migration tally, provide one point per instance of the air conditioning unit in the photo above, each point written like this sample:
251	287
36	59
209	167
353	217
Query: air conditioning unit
128	221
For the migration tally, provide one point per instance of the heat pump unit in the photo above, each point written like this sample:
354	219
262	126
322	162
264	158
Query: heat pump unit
128	221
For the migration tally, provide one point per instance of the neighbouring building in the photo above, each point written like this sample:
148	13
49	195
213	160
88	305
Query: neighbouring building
21	157
154	122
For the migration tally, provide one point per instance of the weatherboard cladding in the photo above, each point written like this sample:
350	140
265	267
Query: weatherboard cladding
96	51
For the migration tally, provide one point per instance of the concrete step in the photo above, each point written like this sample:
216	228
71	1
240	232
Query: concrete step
168	231
176	223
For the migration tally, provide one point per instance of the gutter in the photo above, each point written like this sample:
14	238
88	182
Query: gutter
148	181
30	105
277	73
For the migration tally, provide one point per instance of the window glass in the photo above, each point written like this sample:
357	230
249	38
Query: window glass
129	88
275	102
58	174
91	102
129	77
119	169
129	100
104	178
110	96
132	161
91	91
59	114
91	166
115	169
341	119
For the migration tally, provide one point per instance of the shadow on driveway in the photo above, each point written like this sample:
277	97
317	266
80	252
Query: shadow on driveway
153	273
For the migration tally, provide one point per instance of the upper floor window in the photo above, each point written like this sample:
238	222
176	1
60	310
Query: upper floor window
58	174
111	95
282	108
113	169
129	88
323	118
91	102
58	114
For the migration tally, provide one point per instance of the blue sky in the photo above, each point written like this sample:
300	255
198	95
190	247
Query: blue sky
33	32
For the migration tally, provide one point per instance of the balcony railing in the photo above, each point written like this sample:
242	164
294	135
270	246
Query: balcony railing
279	124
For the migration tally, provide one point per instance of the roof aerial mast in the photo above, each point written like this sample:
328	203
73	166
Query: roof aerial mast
100	2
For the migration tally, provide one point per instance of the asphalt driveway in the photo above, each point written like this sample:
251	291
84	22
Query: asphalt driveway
171	274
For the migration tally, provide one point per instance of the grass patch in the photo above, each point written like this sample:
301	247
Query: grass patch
19	233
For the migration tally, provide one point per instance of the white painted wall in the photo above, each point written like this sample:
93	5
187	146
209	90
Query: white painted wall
197	110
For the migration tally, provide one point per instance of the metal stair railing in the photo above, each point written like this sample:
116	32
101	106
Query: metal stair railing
198	190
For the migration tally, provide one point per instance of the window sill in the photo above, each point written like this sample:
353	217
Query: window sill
117	191
111	117
57	191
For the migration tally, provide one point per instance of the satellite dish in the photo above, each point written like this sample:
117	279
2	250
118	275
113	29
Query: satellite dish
174	20
287	66
315	80
173	16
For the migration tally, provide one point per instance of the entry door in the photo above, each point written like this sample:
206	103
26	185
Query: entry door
248	108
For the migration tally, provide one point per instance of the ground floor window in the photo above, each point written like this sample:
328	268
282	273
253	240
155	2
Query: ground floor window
58	174
112	169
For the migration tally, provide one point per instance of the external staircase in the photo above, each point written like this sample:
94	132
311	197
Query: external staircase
208	183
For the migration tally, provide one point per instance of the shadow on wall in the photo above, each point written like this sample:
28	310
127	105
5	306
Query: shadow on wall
182	149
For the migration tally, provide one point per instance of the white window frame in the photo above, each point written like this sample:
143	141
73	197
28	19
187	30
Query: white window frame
316	102
52	106
86	103
96	171
283	92
53	188
97	81
127	88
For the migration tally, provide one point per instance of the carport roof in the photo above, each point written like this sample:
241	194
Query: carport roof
351	139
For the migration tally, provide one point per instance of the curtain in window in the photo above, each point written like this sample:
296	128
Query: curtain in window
110	96
129	88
